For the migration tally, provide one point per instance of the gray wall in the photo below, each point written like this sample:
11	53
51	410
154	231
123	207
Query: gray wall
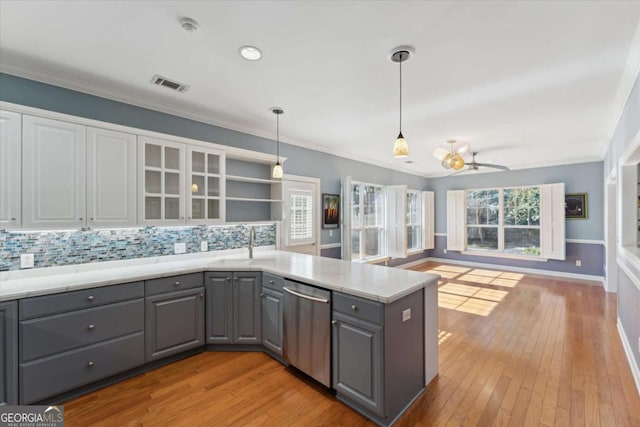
629	294
300	161
578	178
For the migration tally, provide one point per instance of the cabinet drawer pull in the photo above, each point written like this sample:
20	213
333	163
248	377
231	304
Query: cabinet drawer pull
354	307
176	284
91	327
90	298
228	279
13	219
90	364
271	282
334	322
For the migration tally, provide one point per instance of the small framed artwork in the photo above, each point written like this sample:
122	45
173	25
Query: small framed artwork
330	211
575	206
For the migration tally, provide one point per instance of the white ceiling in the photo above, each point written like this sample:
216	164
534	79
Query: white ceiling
524	83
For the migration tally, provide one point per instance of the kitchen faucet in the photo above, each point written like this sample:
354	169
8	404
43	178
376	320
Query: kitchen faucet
252	240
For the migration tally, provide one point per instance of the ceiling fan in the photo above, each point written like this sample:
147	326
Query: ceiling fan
451	158
474	166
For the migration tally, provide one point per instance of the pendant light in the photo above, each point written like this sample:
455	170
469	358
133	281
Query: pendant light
400	55
277	169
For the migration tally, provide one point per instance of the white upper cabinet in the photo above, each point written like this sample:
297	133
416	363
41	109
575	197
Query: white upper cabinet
161	181
206	186
53	173
10	153
111	178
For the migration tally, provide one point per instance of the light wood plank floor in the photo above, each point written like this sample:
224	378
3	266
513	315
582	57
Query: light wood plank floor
515	350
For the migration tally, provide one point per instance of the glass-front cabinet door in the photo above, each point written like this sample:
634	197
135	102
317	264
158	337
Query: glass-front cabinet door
161	181
205	189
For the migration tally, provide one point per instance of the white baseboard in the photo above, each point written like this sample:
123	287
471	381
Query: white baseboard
412	263
627	350
598	279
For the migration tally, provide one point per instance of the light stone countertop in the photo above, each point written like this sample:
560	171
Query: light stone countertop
368	281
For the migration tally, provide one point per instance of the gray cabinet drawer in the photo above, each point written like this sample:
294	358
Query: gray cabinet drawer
360	308
59	303
272	282
173	283
61	332
67	371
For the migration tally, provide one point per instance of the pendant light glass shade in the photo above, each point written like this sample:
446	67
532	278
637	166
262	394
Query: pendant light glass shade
400	147
277	172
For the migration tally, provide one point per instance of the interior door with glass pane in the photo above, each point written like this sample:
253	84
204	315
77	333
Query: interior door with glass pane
205	189
301	213
161	181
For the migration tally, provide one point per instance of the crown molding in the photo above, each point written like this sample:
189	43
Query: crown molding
629	76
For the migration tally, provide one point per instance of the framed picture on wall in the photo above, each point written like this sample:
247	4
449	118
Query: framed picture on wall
330	211
575	206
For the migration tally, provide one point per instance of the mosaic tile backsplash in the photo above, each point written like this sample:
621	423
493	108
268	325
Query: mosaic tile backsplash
55	248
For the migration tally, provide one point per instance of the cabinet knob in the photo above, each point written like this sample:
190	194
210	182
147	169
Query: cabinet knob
90	219
13	219
261	294
176	284
189	217
271	282
90	298
90	364
201	295
334	322
354	307
80	219
228	279
91	327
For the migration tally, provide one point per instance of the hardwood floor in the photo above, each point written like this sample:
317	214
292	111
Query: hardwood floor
515	350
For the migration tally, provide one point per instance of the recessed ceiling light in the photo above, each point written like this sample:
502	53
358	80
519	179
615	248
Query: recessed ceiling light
250	53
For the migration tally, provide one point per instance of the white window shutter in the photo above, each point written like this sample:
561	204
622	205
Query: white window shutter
397	221
345	212
428	219
456	230
552	221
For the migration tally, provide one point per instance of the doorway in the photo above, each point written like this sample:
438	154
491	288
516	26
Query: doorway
300	215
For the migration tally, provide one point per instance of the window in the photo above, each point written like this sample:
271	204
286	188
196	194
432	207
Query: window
367	221
504	220
414	220
301	217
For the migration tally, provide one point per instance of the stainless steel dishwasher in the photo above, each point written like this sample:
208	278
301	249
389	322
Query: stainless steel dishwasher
307	330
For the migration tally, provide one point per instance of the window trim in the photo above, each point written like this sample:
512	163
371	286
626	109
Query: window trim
420	224
362	229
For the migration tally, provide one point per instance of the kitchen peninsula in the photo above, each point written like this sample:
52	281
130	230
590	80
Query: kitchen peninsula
384	321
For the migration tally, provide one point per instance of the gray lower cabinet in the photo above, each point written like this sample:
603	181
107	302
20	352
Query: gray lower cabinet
357	361
378	353
174	322
234	314
8	353
272	313
72	339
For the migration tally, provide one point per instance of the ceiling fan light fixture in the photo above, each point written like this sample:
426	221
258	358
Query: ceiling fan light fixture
458	162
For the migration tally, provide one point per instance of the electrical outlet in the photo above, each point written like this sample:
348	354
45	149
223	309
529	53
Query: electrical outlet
578	263
444	251
27	261
330	233
406	314
204	246
179	248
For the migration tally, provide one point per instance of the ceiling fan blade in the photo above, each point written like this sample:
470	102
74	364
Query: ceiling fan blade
490	165
462	150
440	153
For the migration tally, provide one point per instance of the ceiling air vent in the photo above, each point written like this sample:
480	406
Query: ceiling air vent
171	84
